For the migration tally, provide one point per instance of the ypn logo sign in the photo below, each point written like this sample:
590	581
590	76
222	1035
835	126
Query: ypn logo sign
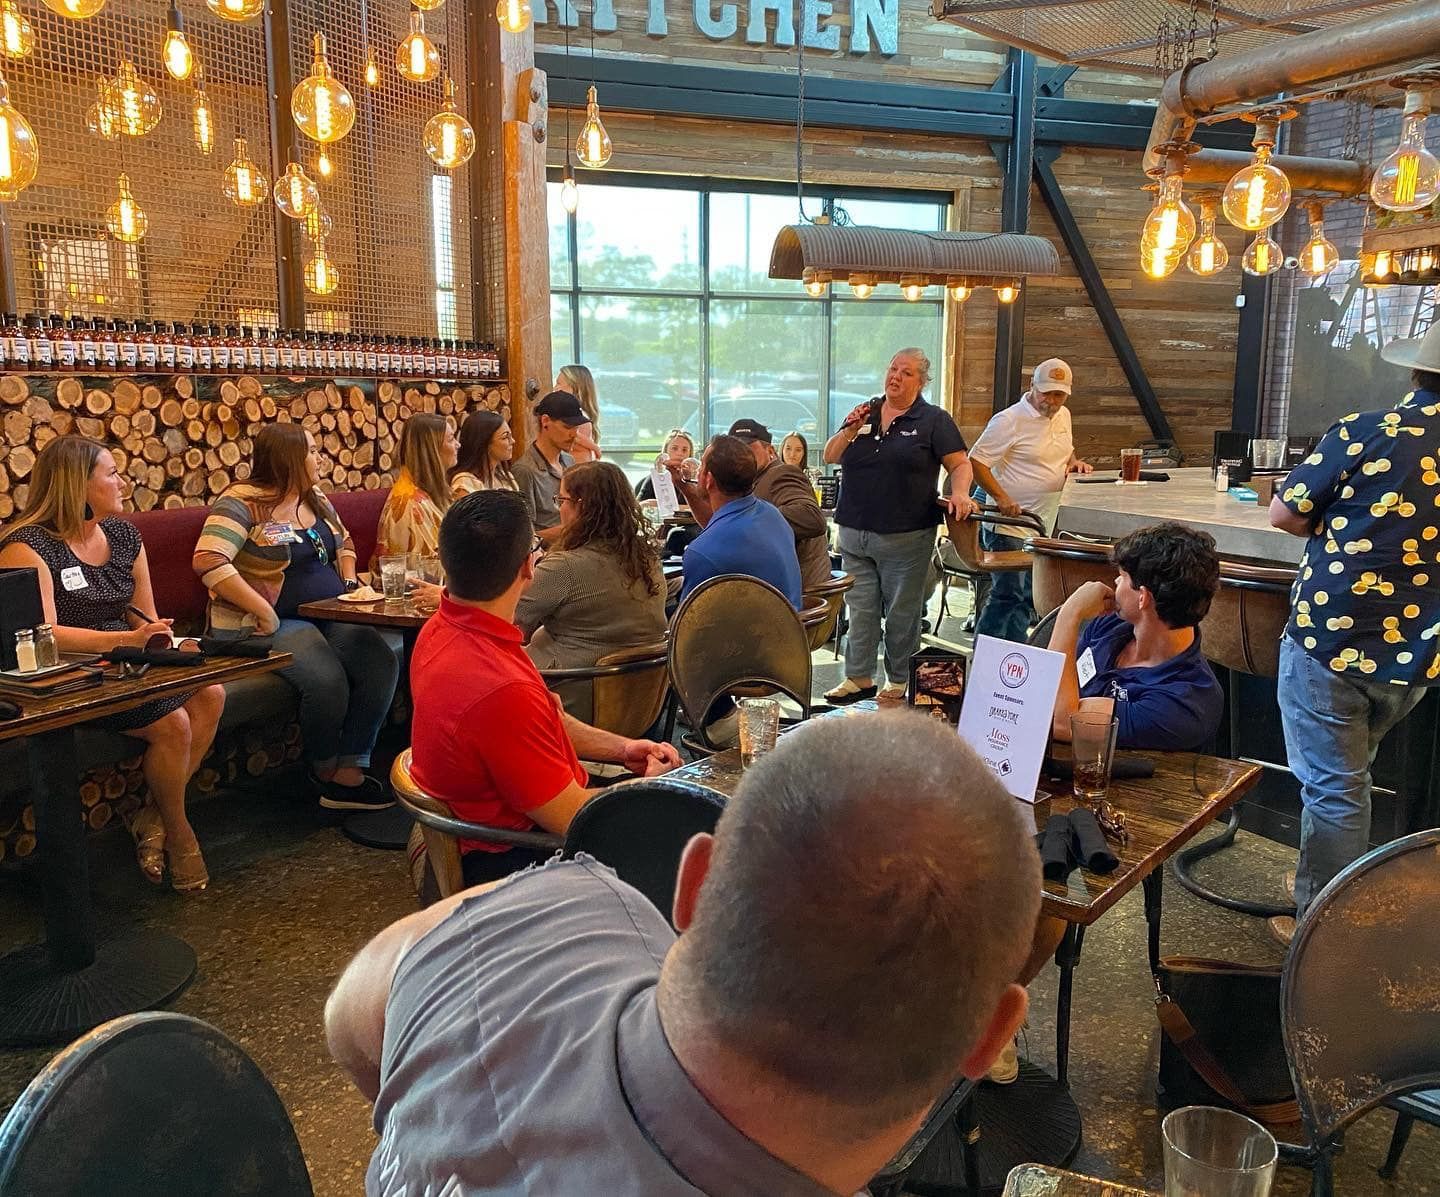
1014	670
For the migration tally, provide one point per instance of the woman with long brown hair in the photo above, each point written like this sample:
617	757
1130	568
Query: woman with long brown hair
96	593
577	380
410	522
269	545
599	589
483	463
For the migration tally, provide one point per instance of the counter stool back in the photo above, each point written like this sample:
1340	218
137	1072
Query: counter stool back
965	536
1062	566
833	594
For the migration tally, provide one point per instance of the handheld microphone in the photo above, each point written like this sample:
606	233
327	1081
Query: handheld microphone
872	414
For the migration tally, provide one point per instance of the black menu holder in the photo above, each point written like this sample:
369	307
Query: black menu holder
20	607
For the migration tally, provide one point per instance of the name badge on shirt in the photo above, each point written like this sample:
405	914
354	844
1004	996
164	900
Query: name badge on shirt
73	578
1085	667
278	533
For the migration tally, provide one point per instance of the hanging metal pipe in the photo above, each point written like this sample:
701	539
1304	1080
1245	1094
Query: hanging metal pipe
1339	176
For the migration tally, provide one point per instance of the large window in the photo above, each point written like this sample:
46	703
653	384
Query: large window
663	291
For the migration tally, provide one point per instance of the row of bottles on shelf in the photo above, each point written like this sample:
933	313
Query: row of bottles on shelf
148	347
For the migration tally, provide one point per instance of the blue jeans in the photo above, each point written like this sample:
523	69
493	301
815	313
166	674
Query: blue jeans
345	675
1333	728
1010	608
891	572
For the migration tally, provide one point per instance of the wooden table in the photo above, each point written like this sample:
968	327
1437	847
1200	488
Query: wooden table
1036	1180
53	991
402	617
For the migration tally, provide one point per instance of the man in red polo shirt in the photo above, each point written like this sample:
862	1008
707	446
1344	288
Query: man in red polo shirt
488	738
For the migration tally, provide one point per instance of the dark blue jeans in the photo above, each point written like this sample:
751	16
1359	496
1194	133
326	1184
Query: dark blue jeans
1010	609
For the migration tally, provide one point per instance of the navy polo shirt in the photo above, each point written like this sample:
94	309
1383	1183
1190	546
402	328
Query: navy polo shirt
745	536
889	479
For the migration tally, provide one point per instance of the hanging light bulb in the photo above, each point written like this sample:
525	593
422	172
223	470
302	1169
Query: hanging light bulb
514	15
912	286
1007	292
1410	178
179	60
19	151
428	5
132	101
569	191
76	10
245	183
959	289
1170	225
448	137
372	68
204	120
321	104
1208	254
321	277
1383	264
126	219
1259	195
295	192
318	224
417	59
815	281
1263	255
862	286
17	35
593	146
324	165
99	117
1319	255
236	10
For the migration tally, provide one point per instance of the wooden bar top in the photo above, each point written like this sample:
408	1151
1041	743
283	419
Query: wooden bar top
379	613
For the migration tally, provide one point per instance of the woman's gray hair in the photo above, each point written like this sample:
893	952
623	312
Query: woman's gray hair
921	360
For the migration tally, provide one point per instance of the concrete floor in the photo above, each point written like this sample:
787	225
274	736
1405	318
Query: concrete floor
291	899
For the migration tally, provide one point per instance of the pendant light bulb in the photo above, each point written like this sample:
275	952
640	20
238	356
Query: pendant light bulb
76	10
1262	256
204	120
132	101
17	35
514	15
959	290
1170	224
815	282
179	59
1409	179
417	59
1259	195
236	10
125	219
321	105
295	192
1208	254
100	118
449	138
318	224
324	165
593	146
1007	292
428	5
862	286
1319	256
569	190
245	183
19	151
372	68
912	287
321	277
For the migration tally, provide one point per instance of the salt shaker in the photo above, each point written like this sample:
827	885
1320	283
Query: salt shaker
25	660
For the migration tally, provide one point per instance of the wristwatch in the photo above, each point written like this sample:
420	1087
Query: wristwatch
351	584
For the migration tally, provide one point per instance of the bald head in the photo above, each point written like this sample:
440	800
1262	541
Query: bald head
872	892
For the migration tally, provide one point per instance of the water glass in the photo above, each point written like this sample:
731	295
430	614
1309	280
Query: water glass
1268	454
430	571
1130	465
759	728
1211	1152
392	577
1092	745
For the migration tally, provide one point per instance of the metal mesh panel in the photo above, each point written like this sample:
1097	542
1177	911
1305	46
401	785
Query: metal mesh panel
202	258
401	241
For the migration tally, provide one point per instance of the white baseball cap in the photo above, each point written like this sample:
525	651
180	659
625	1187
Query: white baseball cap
1053	375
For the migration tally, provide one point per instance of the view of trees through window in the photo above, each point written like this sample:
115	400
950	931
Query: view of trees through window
663	292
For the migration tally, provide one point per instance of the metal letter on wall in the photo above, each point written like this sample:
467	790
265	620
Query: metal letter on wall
712	26
784	22
812	12
882	17
566	10
655	23
602	16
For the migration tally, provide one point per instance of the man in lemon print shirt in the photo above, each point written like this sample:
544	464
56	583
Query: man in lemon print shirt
1363	640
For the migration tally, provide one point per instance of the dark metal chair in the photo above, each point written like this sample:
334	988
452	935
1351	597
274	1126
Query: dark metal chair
1063	565
639	828
965	536
957	1106
1358	1009
735	633
146	1104
628	689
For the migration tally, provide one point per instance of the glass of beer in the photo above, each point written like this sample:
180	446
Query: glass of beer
1130	465
1092	745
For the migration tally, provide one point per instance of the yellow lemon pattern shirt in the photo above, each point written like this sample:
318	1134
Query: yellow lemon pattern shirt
1366	600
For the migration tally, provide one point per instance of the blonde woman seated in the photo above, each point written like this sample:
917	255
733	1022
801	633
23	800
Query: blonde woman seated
599	589
483	461
678	446
578	381
95	591
410	521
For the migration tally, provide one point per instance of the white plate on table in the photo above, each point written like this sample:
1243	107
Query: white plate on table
363	595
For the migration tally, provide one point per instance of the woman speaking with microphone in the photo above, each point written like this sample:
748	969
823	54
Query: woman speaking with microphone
892	450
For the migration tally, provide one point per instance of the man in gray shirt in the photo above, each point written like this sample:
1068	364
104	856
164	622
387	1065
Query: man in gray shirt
550	1034
541	466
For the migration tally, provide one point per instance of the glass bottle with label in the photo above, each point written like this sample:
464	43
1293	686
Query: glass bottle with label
11	332
372	353
184	348
86	349
309	354
269	351
62	344
149	347
204	350
47	652
129	340
42	352
219	350
164	345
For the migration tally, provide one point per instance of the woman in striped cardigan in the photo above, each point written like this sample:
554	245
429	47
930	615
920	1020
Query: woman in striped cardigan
269	545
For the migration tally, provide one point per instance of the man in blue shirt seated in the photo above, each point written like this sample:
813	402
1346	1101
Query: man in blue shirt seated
745	535
1140	648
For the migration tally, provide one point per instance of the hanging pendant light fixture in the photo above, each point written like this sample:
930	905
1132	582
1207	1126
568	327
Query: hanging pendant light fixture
204	120
321	105
428	5
245	183
324	166
179	59
449	138
1007	292
958	289
593	146
862	286
815	281
76	10
514	16
372	68
1409	179
1259	195
132	101
1263	255
321	276
912	287
19	151
1319	256
1208	254
318	224
569	189
99	119
236	10
1170	224
125	219
17	35
295	192
416	58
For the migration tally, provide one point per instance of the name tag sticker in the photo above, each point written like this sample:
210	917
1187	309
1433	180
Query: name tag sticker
73	578
1085	667
278	533
865	429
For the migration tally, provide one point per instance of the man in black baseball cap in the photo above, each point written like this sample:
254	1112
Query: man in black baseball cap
538	472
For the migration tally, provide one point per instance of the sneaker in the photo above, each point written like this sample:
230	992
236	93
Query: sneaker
370	794
849	691
1290	884
1006	1069
1282	928
725	730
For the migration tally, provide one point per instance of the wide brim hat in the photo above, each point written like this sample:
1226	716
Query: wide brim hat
1416	353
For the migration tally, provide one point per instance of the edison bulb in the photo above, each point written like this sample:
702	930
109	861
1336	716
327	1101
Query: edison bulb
1170	225
19	151
913	288
593	145
100	118
959	292
1258	196
236	10
179	60
321	105
324	166
17	35
448	137
416	58
569	191
125	219
1208	255
1319	255
203	123
76	10
245	183
1409	179
372	68
1384	263
815	282
1007	292
514	15
1262	256
295	193
862	286
428	5
321	277
318	224
132	101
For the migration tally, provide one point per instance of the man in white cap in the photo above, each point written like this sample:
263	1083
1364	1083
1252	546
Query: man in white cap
1021	461
1361	645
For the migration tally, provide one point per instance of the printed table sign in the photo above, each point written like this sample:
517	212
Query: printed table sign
1009	704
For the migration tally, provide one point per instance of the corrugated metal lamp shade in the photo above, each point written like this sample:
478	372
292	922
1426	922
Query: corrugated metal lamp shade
828	251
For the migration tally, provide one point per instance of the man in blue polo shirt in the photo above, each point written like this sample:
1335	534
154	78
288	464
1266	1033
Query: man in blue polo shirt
745	535
1137	645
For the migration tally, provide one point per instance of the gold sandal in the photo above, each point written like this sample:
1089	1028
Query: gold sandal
188	874
149	833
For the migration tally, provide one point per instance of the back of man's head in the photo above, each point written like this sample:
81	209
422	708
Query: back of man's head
1177	564
872	892
732	465
484	540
